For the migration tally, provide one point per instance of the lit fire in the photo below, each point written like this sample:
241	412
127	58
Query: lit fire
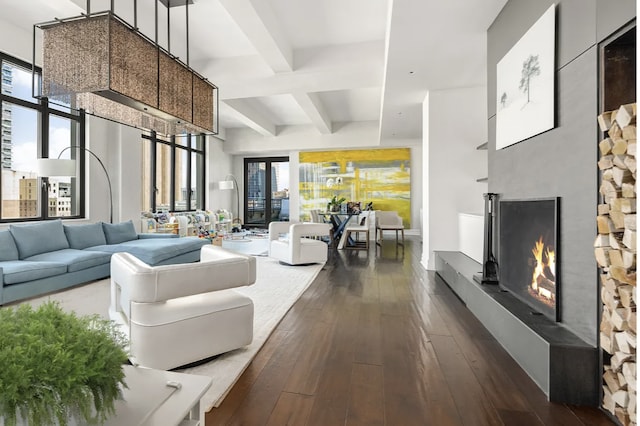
543	281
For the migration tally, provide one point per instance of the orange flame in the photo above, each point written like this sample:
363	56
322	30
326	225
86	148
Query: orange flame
544	271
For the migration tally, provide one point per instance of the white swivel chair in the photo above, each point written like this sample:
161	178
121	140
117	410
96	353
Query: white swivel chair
289	244
389	221
178	314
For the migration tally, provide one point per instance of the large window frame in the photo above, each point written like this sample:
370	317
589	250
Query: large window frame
186	146
266	203
45	111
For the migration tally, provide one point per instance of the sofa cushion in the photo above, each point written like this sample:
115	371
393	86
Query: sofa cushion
155	250
75	260
19	271
39	238
117	233
8	249
83	236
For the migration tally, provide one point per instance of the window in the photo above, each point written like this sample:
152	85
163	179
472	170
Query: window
173	177
266	190
30	129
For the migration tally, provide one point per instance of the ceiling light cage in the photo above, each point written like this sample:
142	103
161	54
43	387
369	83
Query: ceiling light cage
99	63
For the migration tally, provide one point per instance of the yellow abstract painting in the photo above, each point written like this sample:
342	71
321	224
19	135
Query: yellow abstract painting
378	176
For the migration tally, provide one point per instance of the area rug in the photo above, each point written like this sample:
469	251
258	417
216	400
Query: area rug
276	289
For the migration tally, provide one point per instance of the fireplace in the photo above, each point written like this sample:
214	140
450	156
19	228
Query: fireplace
529	253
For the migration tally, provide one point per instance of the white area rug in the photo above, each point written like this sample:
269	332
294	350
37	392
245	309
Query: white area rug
276	289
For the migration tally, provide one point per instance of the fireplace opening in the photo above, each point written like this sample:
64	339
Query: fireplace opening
529	252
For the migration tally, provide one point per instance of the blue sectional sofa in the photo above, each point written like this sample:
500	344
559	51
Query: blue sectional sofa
49	256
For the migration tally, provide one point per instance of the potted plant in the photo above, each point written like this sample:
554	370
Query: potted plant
334	204
57	366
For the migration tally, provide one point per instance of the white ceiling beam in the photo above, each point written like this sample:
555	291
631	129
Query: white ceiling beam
354	66
258	22
244	112
312	106
309	82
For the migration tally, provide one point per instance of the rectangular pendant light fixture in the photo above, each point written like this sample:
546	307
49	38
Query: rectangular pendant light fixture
99	63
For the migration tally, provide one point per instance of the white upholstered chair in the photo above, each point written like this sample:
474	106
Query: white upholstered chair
289	244
389	221
351	235
178	314
315	216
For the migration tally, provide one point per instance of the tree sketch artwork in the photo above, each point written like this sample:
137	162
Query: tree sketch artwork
530	69
525	84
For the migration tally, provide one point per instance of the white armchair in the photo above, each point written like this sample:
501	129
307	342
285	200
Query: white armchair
179	314
288	242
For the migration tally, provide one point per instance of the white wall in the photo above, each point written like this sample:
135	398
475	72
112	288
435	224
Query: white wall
103	139
219	165
15	41
294	182
455	125
426	235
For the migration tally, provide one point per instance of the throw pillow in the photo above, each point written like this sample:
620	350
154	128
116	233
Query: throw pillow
83	236
8	249
117	233
39	238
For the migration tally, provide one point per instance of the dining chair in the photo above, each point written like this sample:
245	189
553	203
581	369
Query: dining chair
351	235
388	221
318	217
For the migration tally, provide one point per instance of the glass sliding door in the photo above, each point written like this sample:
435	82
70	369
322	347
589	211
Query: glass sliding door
255	193
279	190
266	191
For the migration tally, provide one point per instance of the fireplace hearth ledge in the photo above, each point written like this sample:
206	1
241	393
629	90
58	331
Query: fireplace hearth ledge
564	366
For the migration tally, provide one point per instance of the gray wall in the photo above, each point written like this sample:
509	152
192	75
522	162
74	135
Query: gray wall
560	162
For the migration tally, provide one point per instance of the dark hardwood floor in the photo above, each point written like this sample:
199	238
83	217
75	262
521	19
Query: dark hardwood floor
376	340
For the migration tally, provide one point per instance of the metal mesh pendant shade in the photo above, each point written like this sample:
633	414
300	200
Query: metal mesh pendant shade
101	64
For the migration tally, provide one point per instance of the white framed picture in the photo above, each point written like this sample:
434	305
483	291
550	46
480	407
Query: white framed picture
525	84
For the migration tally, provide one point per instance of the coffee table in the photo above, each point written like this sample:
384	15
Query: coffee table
254	245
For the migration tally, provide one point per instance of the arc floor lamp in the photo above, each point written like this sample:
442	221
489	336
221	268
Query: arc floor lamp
59	167
230	182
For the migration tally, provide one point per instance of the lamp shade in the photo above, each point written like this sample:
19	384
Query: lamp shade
225	184
56	167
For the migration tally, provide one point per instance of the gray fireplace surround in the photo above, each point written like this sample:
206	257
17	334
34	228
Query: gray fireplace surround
565	367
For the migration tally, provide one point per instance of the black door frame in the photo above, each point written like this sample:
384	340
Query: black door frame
267	187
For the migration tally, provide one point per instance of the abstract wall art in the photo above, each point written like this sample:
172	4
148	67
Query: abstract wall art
378	176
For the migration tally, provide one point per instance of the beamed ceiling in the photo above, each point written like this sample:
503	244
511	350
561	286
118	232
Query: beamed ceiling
313	63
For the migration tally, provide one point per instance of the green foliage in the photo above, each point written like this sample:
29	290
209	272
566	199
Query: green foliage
335	202
56	365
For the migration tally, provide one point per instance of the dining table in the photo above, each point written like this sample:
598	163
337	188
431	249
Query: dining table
339	220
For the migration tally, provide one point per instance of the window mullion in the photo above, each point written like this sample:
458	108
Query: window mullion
188	189
172	177
43	152
203	178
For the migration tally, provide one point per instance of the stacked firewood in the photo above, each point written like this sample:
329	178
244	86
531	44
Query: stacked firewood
615	252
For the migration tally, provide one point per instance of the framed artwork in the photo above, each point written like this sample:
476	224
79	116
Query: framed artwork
379	179
525	82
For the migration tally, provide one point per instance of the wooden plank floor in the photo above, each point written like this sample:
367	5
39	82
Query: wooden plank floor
376	340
